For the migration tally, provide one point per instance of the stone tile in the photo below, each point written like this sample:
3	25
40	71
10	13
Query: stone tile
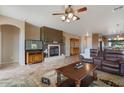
30	75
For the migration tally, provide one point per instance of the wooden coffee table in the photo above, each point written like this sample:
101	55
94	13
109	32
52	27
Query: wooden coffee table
77	75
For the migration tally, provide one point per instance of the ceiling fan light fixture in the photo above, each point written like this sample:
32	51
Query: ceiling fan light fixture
74	18
70	15
67	20
63	18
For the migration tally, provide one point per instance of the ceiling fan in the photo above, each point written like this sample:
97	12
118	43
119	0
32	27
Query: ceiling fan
69	13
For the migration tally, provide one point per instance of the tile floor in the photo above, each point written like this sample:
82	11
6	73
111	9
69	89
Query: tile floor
34	72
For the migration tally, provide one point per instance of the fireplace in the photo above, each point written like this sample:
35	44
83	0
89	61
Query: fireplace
53	50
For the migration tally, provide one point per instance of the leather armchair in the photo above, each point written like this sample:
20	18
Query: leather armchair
110	61
93	54
97	59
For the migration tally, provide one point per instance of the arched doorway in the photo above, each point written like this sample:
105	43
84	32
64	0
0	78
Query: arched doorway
9	43
4	20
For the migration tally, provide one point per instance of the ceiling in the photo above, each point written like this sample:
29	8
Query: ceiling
98	18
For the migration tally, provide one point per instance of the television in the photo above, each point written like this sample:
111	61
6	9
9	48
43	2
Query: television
33	45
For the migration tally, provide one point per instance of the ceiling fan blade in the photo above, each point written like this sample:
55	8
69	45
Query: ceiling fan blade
58	13
81	10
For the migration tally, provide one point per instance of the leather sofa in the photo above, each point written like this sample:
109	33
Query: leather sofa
113	61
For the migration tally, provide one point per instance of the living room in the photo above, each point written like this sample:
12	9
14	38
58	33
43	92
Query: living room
37	46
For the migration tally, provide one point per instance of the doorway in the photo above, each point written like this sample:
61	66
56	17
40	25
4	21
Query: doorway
9	44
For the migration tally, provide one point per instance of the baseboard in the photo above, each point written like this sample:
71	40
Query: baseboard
8	62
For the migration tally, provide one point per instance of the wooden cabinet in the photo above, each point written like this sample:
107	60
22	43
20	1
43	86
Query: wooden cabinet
34	57
74	46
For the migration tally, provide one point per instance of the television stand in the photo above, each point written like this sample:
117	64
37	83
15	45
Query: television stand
34	56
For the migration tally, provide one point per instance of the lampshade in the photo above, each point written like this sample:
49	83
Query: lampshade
67	20
70	15
63	18
74	18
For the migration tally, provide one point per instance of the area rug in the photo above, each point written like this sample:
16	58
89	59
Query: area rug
34	80
103	83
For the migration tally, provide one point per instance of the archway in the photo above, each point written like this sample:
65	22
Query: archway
4	20
9	44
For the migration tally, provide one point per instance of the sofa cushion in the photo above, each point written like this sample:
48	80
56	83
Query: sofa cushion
110	69
121	57
114	59
111	64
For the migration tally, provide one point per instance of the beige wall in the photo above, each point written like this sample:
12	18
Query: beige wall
83	43
10	44
67	42
21	25
32	32
95	42
0	45
86	42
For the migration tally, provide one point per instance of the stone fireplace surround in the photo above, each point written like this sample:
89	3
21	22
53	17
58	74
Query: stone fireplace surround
55	57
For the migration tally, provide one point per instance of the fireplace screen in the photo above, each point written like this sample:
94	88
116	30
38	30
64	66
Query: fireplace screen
54	51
